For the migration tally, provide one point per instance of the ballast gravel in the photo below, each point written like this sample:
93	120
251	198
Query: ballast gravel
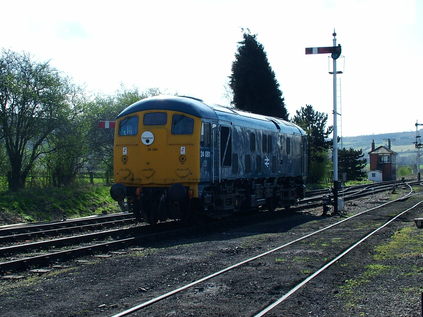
382	277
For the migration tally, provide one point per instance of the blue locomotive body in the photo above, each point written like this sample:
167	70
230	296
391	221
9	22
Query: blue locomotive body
249	160
226	160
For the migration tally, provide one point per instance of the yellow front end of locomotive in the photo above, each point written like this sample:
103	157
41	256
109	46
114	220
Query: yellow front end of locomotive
157	148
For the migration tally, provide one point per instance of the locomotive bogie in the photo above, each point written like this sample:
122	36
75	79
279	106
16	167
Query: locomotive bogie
177	157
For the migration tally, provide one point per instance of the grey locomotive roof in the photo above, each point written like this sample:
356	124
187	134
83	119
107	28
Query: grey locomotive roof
198	108
183	104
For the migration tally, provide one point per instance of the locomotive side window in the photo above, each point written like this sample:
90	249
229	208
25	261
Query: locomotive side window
269	144
264	143
235	164
252	142
225	146
155	118
274	164
281	142
128	126
182	124
205	134
247	163
258	163
288	145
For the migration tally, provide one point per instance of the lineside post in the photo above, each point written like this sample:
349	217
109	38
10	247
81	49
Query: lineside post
335	134
335	52
419	145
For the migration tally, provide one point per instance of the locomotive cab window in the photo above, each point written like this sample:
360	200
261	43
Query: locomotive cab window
155	118
128	126
182	124
205	134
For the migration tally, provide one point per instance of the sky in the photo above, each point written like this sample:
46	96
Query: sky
188	47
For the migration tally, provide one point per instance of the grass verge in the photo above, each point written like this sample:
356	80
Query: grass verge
393	260
48	204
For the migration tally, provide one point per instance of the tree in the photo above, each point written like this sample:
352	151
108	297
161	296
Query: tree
314	124
3	165
352	163
71	151
253	82
34	101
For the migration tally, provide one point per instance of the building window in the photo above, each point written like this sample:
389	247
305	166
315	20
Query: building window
384	159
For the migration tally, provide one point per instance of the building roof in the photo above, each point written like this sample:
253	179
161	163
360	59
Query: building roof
383	150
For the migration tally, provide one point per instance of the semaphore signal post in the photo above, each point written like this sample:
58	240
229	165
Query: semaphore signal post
419	145
335	52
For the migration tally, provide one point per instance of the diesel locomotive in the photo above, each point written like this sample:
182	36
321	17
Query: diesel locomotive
178	157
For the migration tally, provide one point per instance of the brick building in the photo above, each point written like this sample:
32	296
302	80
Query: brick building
382	163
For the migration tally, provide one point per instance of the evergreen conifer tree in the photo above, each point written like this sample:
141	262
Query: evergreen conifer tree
314	124
253	82
352	164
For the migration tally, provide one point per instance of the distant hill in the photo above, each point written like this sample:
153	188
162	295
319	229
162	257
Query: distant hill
401	142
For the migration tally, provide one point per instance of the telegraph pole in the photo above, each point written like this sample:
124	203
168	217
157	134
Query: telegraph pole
335	52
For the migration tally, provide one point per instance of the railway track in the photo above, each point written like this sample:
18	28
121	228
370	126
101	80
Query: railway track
21	232
15	256
185	296
20	257
326	266
352	192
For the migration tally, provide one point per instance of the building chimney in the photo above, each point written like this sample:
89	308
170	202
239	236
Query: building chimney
373	145
389	143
